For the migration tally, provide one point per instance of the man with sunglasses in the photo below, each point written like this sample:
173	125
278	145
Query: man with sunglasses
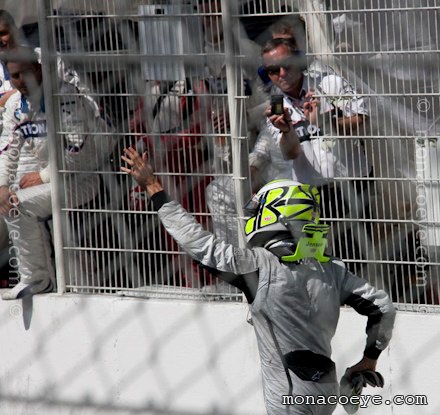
326	114
323	110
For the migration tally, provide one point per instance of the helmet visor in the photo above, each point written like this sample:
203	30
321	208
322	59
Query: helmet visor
252	205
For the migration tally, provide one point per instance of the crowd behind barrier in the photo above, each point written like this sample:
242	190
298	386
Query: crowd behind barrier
113	240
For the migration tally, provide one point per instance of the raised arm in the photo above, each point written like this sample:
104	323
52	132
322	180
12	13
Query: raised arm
236	266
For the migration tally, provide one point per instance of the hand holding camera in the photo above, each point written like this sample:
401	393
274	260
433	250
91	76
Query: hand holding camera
277	114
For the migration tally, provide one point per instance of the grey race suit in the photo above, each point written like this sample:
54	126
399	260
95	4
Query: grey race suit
24	145
294	307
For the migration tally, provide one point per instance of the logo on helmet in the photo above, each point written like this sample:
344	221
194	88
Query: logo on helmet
288	210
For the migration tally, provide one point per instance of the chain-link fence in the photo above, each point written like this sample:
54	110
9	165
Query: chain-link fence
183	81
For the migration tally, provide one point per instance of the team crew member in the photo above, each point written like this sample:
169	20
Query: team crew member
321	124
294	290
25	193
9	37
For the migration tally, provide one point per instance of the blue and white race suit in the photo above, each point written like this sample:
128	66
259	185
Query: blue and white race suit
24	149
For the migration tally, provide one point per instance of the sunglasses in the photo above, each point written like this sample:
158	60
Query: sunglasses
288	64
276	69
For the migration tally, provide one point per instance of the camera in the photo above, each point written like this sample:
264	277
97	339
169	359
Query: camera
276	105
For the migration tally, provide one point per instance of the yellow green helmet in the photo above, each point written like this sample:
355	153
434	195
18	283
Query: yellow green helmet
285	210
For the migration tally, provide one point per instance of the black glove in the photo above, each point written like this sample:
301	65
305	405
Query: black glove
372	378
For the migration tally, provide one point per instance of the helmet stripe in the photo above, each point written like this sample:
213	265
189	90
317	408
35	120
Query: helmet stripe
294	215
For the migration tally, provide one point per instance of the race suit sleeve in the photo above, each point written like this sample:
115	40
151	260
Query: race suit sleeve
237	266
260	156
376	305
87	142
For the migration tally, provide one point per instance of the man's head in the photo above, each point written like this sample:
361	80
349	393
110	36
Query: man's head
8	30
284	64
285	216
24	70
283	29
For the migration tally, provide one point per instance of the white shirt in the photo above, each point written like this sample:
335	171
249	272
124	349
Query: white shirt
324	155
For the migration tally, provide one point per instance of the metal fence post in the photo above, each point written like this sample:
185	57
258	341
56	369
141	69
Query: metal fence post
48	61
234	79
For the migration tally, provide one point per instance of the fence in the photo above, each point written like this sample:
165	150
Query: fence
179	80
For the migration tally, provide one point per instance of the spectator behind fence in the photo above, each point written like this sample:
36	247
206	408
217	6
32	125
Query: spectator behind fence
220	194
337	112
323	151
293	288
25	197
290	27
283	29
180	118
8	33
325	112
172	118
11	37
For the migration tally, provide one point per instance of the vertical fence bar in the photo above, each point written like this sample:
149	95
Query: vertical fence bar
233	77
48	61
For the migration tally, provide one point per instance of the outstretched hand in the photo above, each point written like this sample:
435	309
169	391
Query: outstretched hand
141	170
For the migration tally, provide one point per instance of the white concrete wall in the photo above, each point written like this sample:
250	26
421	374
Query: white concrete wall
99	355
